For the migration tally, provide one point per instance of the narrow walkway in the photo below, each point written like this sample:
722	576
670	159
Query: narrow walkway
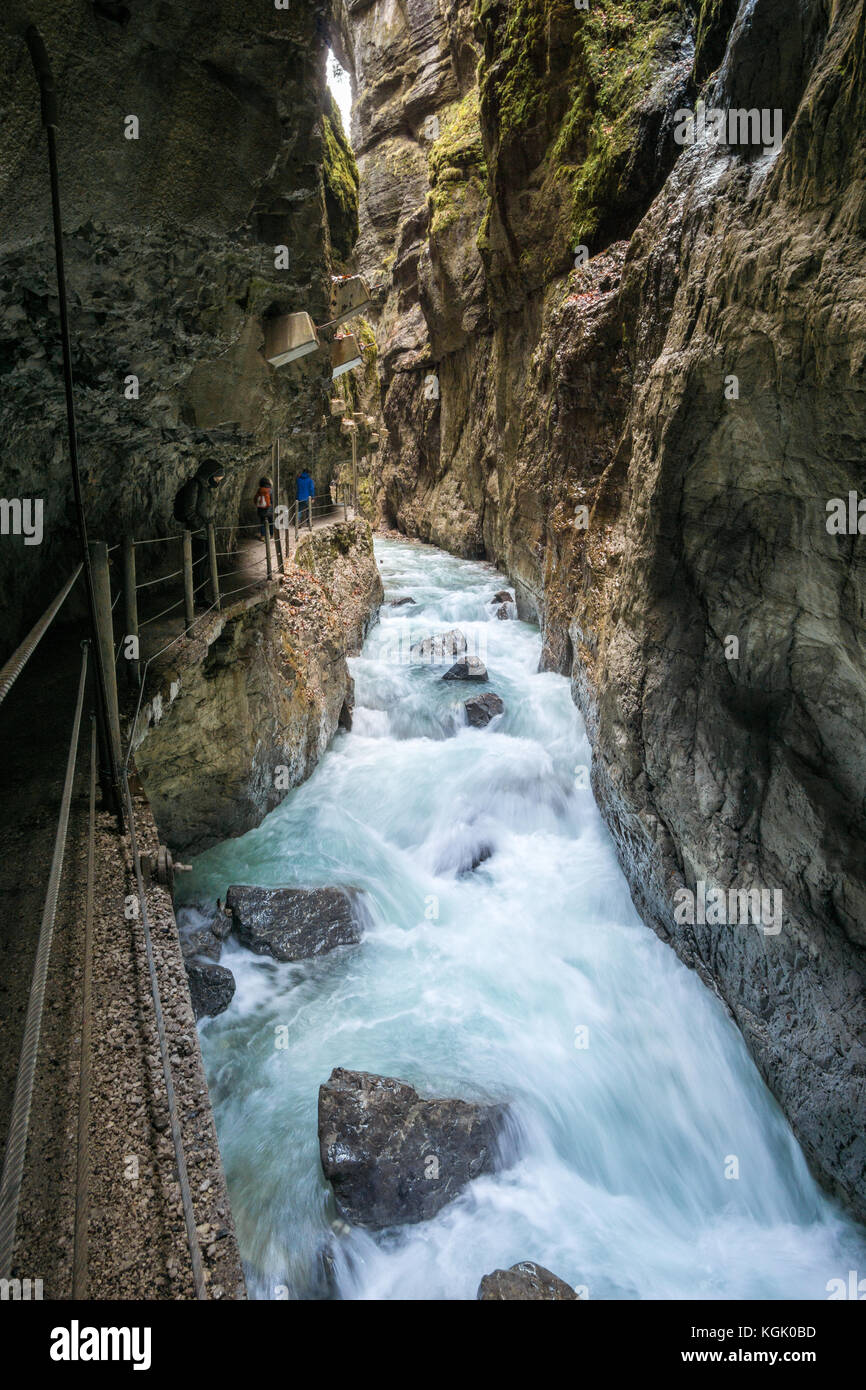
136	1231
243	565
137	1239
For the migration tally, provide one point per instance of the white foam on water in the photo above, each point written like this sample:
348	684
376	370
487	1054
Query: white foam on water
479	984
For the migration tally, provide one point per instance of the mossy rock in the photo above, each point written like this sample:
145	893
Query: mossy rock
340	174
563	100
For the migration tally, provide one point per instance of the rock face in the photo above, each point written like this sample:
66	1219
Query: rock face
482	708
526	1283
645	434
243	714
211	988
170	261
393	1158
296	923
341	559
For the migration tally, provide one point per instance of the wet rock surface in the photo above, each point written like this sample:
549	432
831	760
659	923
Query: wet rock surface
526	1283
296	923
468	669
393	1158
482	708
211	987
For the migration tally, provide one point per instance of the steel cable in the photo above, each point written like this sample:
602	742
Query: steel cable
16	1144
19	658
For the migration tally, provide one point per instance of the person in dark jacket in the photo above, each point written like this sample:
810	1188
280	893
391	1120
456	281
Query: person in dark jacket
306	490
194	507
265	507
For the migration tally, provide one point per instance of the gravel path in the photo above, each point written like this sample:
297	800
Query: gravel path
137	1240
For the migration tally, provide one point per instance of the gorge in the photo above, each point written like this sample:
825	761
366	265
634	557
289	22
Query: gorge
625	369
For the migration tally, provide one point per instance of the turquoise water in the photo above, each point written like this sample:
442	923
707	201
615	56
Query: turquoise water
529	980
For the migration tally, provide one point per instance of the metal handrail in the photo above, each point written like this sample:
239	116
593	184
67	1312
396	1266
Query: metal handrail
19	658
19	1124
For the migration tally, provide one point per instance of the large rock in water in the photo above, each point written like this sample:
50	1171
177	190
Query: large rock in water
296	923
469	668
393	1158
211	987
482	708
525	1282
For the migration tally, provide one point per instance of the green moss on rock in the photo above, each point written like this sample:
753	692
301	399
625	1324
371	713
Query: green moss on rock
715	20
563	93
340	174
456	162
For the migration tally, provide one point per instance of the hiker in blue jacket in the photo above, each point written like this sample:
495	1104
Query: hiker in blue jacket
306	492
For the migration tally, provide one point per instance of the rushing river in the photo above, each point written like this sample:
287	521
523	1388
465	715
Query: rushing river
528	979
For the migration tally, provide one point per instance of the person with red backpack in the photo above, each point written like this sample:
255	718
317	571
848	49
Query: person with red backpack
265	507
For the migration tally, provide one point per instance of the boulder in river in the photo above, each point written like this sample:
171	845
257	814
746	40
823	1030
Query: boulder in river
506	604
439	647
202	931
482	708
401	602
468	668
211	987
393	1158
200	941
296	923
527	1283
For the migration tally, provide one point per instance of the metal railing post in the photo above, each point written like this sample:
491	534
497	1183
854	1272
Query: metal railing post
105	634
268	558
297	522
130	608
278	540
355	472
188	591
212	560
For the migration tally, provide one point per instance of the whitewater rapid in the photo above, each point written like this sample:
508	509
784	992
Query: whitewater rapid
529	979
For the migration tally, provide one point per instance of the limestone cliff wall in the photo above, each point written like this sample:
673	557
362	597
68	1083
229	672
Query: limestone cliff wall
607	385
170	264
